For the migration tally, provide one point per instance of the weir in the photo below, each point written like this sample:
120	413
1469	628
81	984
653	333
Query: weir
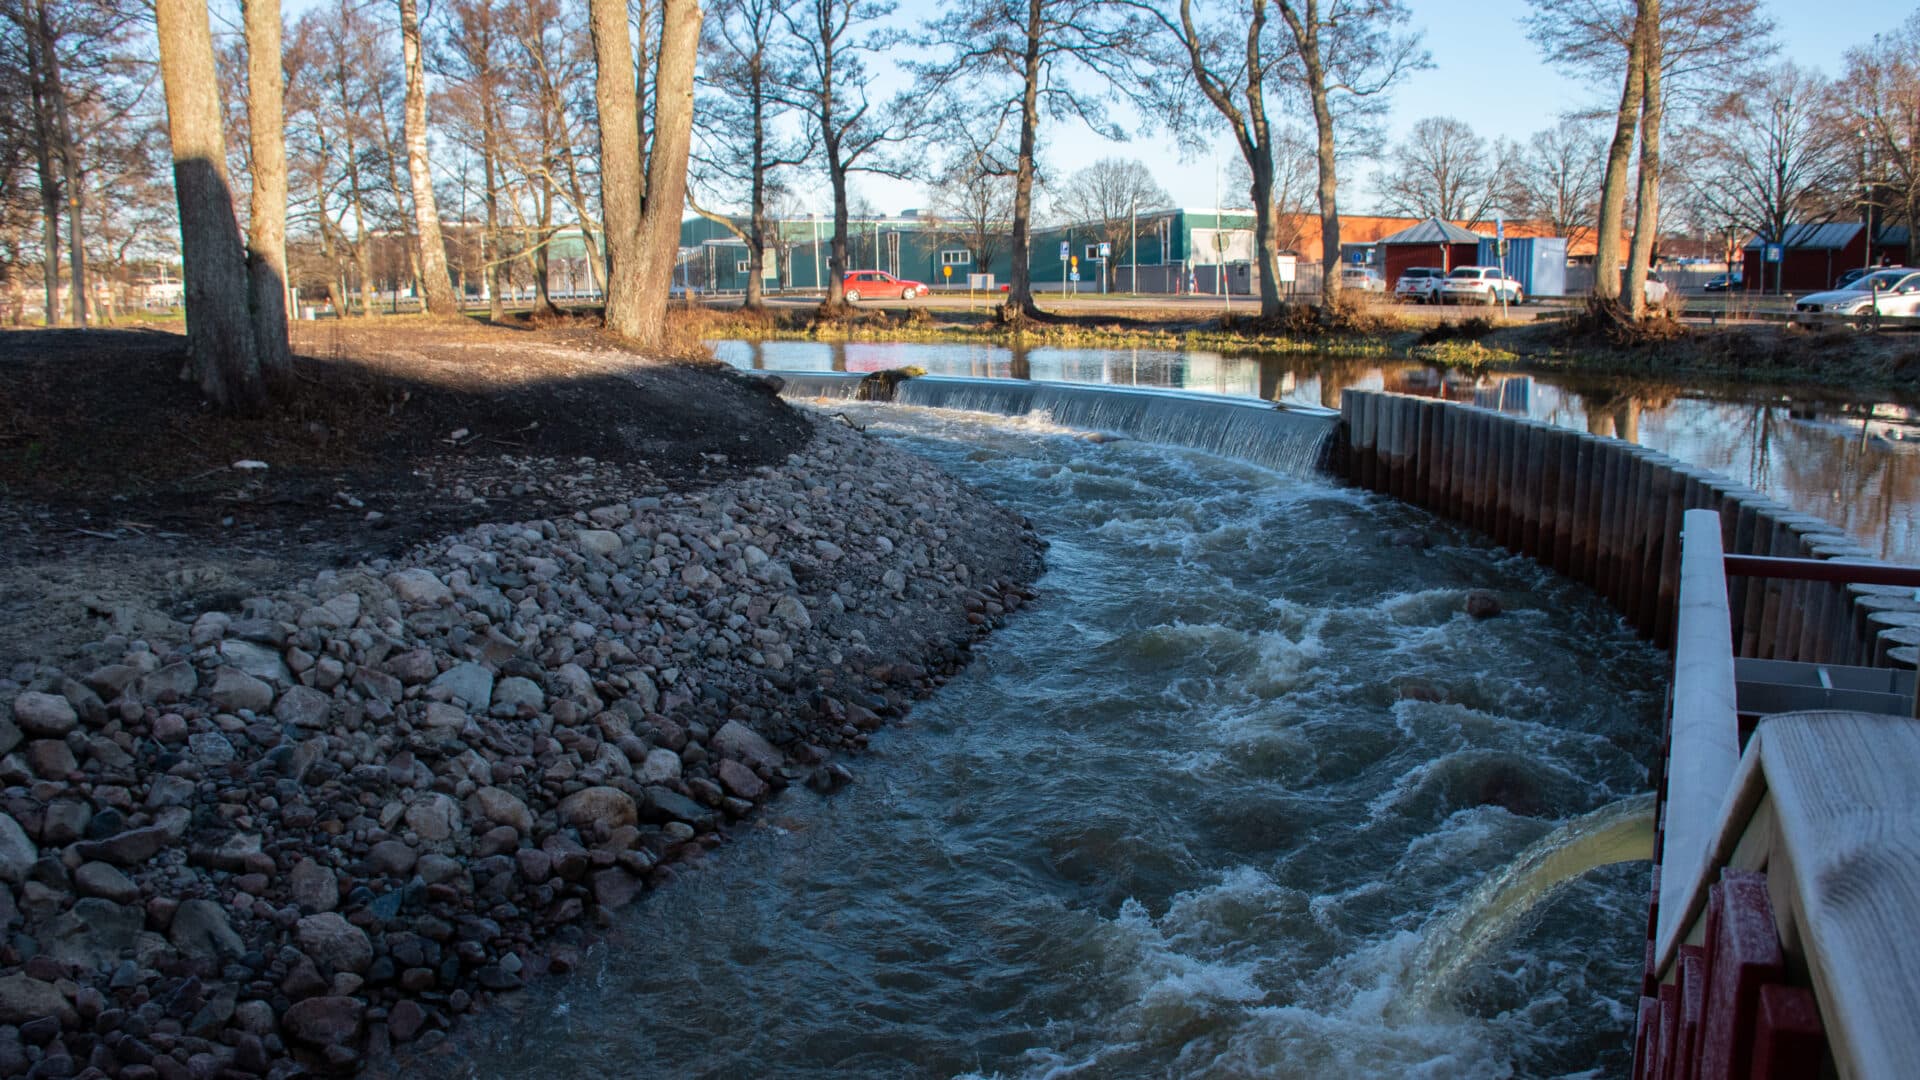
1780	937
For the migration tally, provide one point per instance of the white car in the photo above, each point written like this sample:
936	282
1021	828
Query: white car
1420	284
1362	279
1893	291
1479	285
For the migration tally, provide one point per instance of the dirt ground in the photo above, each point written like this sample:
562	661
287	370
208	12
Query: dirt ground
124	503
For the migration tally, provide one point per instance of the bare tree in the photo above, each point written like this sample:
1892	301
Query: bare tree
1295	175
835	39
1881	98
1697	47
267	200
1556	179
751	79
1108	195
1009	64
1772	154
1346	55
426	213
1441	170
972	207
642	203
220	333
474	76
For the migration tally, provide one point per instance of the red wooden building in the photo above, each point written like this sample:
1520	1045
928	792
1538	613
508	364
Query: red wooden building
1812	259
1431	243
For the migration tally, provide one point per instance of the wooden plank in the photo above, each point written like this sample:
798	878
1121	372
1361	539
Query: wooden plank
1566	451
1847	835
1585	510
1705	730
1693	1007
1533	505
1743	955
1607	473
1457	466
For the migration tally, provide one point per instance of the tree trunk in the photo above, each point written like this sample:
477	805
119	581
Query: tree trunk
643	239
44	139
426	211
267	222
1265	246
219	332
1646	219
757	206
69	167
1613	196
1019	300
836	277
1329	201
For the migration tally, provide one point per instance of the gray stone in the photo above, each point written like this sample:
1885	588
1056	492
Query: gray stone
470	683
502	808
337	613
99	879
66	821
606	806
439	714
413	666
213	747
614	888
434	818
93	934
735	739
51	759
661	765
314	887
17	853
46	715
601	542
674	806
200	929
436	869
234	690
174	682
168	790
303	706
740	780
321	1022
334	942
257	661
391	858
10	735
24	999
789	609
129	848
518	693
418	588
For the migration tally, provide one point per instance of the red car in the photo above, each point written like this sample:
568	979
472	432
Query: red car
875	284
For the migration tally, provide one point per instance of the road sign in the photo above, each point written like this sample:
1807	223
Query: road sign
1106	250
948	271
1064	248
1775	252
1074	262
1076	275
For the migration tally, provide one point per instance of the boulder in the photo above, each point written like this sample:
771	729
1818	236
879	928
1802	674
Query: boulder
418	588
321	1022
234	690
24	999
735	739
46	715
334	942
17	853
605	806
303	706
470	683
313	886
200	929
434	818
257	661
601	542
501	807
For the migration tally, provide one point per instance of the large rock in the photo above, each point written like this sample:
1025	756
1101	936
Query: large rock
470	683
17	853
434	818
93	934
200	929
303	706
740	780
516	693
391	858
735	739
501	807
46	715
234	690
24	1000
606	806
601	542
99	879
129	848
660	765
321	1022
256	660
174	682
334	942
418	588
670	805
313	886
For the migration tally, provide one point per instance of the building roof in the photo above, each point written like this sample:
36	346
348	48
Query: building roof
1829	237
1892	236
1432	231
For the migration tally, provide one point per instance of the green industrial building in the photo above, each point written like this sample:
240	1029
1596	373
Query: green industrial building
1175	250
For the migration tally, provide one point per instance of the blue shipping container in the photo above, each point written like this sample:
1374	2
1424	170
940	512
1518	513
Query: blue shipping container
1538	263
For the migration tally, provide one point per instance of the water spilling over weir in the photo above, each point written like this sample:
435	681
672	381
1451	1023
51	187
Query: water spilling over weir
1202	811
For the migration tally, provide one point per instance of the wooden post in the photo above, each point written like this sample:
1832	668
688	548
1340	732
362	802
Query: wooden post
1580	522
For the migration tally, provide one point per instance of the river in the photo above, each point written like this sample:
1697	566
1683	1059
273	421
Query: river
1852	460
1194	813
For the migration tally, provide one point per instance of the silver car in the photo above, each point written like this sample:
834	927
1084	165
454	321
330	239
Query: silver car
1893	291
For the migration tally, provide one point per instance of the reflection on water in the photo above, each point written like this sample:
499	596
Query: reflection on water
1853	462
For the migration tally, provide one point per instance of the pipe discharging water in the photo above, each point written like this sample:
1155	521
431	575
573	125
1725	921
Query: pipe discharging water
1618	832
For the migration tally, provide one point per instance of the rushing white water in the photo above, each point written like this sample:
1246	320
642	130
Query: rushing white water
1196	813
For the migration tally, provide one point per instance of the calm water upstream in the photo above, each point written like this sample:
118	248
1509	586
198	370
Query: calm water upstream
1178	819
1853	461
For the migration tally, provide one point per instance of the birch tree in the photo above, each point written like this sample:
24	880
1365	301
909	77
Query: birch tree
426	212
267	202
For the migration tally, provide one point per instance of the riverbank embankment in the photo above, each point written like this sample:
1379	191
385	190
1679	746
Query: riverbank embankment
333	810
1522	340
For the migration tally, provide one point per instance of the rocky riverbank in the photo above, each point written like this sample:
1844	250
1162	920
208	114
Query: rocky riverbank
331	820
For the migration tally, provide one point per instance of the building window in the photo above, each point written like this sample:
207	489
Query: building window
740	266
956	258
1093	253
